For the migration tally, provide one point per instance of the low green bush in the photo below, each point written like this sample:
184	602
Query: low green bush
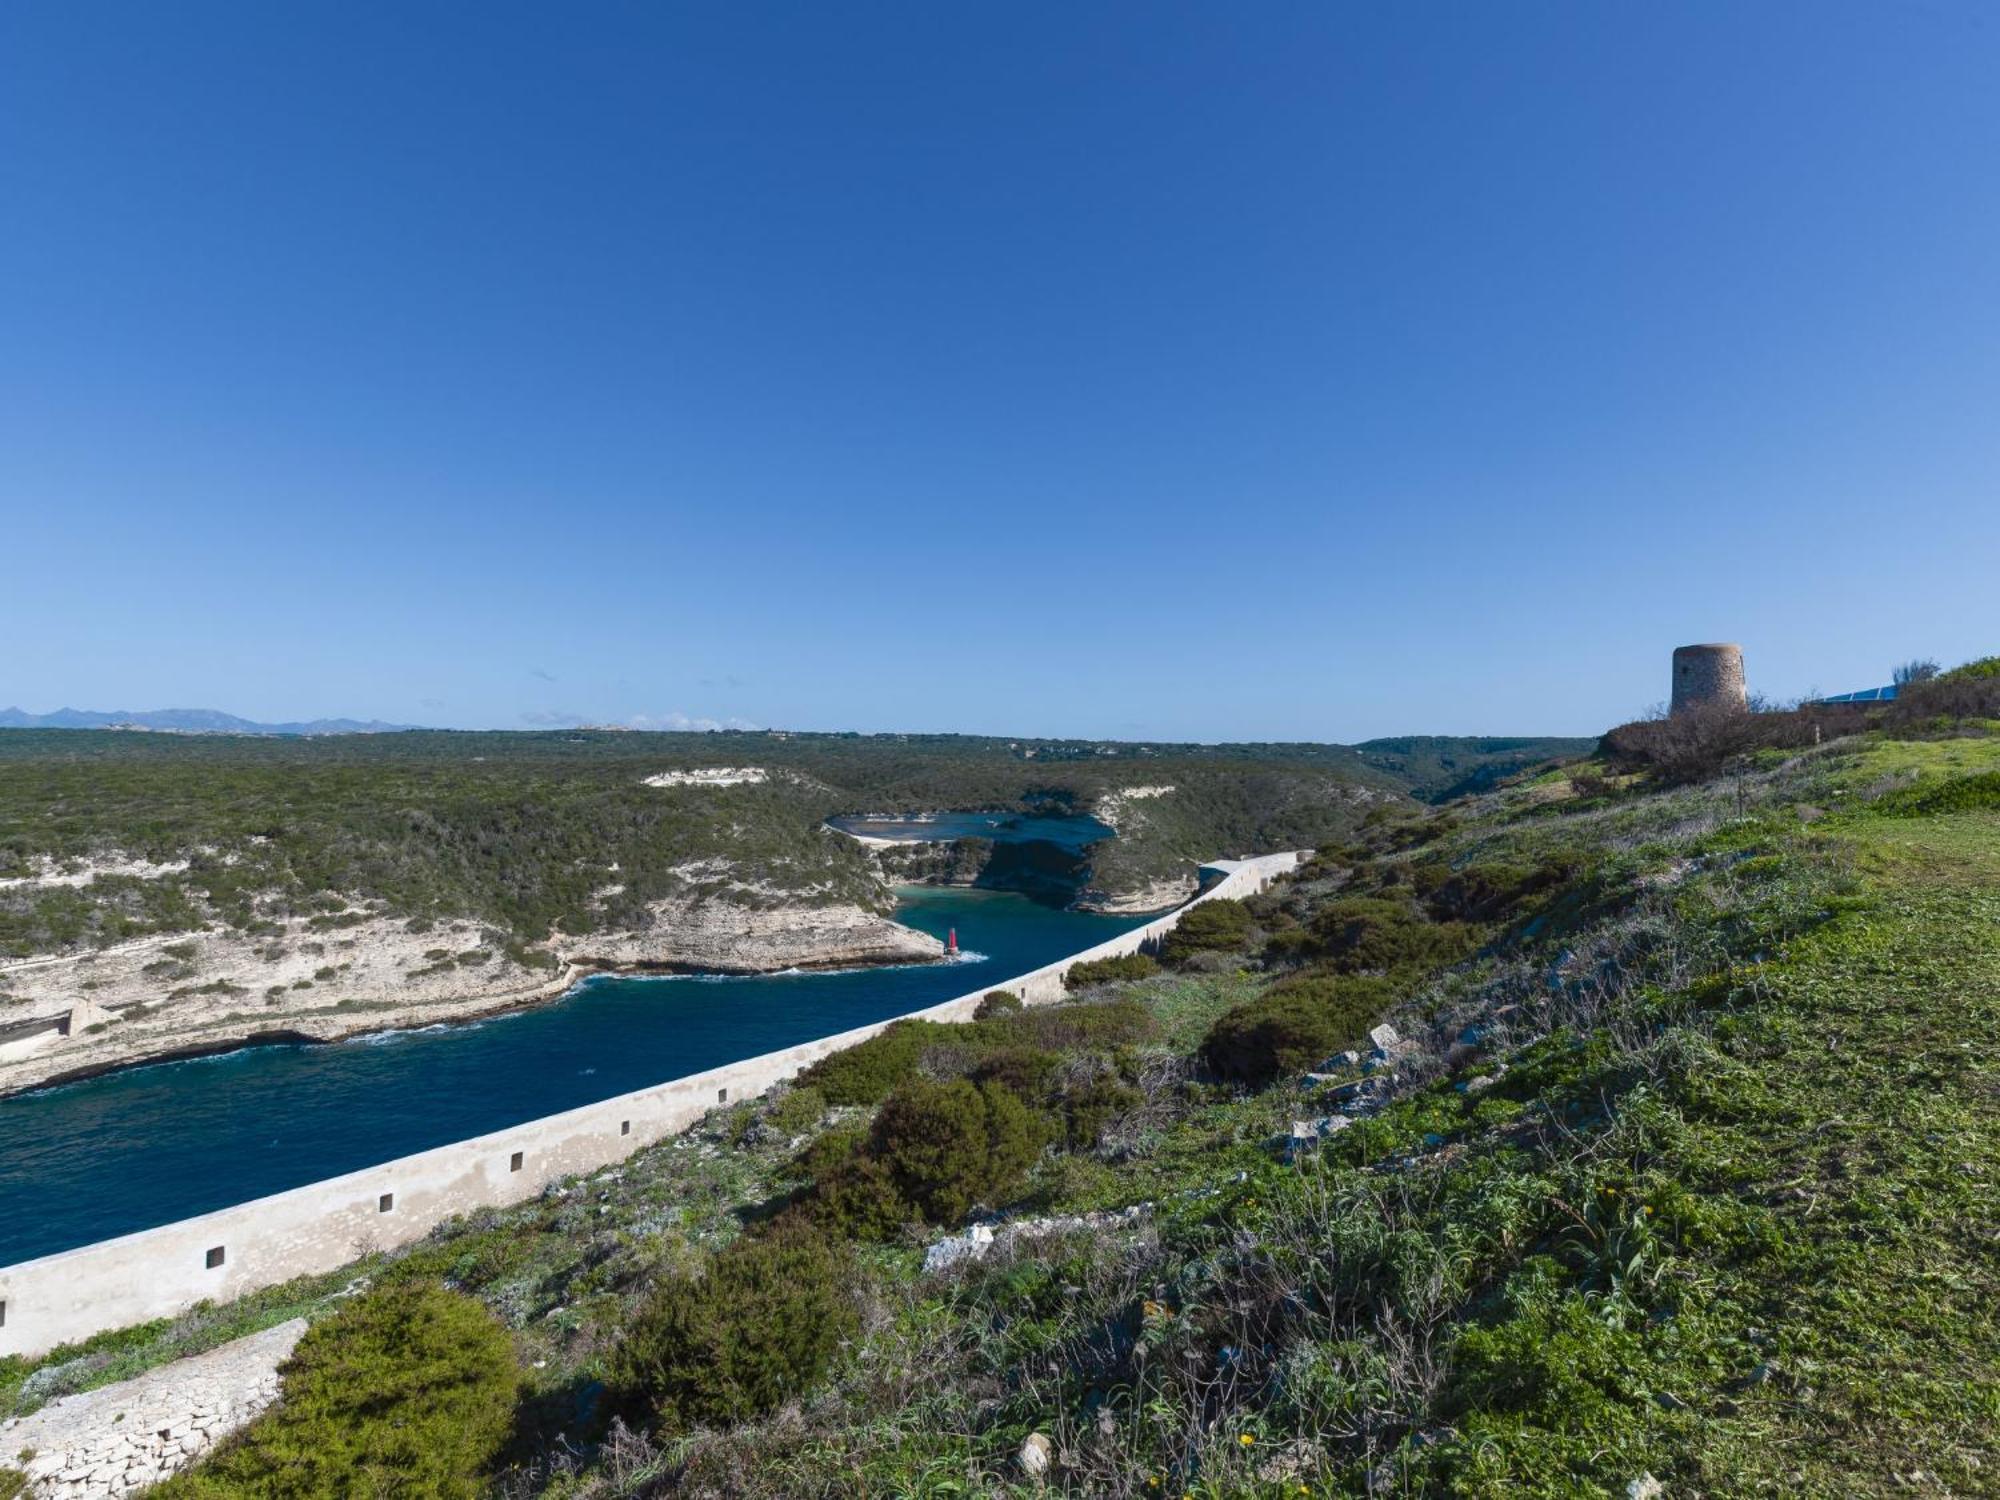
866	1072
798	1109
1089	1106
1029	1071
830	1151
996	1003
1218	926
757	1327
1293	1026
1109	971
1294	945
949	1146
1093	1024
1365	934
1495	891
855	1198
408	1390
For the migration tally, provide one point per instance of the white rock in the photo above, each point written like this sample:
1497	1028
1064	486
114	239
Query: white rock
1645	1487
957	1248
1036	1454
1384	1036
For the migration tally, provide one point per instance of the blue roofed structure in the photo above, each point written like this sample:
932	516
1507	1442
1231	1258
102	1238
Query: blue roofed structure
1866	695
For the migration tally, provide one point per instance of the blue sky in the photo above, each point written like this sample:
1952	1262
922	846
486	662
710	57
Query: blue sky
1215	372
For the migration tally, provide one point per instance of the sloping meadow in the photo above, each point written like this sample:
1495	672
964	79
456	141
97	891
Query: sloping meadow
1674	1160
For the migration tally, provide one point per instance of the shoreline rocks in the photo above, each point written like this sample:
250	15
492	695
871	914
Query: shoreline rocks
325	978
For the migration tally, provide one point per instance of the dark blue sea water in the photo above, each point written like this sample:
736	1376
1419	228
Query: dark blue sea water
130	1150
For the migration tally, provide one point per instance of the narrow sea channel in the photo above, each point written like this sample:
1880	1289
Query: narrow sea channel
127	1151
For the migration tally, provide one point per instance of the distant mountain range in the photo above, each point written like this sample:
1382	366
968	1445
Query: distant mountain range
185	721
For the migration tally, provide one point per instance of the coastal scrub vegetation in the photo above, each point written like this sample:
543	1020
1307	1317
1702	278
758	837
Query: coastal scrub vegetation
1672	1174
529	833
755	1326
409	1389
1096	971
1217	926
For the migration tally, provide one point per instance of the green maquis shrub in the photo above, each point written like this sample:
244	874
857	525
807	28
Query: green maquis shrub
1293	1026
1109	971
830	1151
996	1003
408	1390
865	1074
1028	1071
12	1483
756	1328
1090	1106
1218	926
798	1109
1079	1105
1369	934
1294	945
1495	891
857	1199
1336	859
949	1146
1074	1026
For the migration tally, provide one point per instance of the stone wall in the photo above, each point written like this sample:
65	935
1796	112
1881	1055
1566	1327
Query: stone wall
120	1438
1711	674
158	1273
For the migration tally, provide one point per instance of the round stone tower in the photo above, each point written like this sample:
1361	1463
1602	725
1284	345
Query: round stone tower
1705	675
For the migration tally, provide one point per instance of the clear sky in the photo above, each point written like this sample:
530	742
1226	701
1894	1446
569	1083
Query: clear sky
1305	371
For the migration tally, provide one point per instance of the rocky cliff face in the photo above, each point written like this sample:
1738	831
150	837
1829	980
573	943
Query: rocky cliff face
1035	868
327	977
723	937
1153	895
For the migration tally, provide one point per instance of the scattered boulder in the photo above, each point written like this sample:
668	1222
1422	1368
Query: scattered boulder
1305	1135
978	1241
954	1249
1645	1487
1384	1037
1036	1457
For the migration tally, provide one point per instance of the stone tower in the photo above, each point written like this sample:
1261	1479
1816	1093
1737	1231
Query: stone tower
1705	675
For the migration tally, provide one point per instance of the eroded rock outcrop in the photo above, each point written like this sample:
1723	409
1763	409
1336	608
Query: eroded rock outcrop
345	973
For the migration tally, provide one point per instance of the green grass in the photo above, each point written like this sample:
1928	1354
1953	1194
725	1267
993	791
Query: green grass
1692	1173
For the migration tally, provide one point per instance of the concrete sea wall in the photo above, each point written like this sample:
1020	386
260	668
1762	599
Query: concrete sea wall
157	1273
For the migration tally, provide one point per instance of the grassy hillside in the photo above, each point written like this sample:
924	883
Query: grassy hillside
1438	768
1682	1166
519	830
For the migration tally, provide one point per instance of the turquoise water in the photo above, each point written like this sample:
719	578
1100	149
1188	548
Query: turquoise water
1072	833
150	1145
